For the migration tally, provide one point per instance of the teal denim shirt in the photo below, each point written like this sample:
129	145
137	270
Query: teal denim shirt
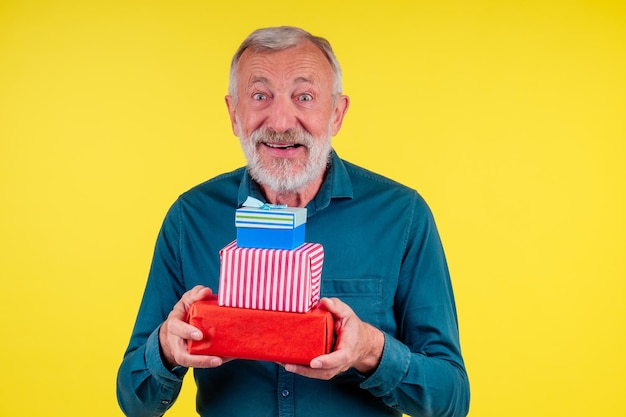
383	257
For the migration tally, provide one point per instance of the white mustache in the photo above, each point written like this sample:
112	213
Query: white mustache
289	137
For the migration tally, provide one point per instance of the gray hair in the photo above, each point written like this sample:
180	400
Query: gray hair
279	38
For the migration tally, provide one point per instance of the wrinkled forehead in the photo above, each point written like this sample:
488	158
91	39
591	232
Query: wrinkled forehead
303	62
304	53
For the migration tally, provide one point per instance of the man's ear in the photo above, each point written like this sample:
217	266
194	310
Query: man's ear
341	107
232	113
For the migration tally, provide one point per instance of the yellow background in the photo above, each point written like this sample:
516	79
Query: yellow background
509	118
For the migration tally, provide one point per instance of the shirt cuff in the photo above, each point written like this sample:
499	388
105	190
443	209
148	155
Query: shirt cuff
155	364
392	369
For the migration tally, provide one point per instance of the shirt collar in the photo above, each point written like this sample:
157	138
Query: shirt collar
336	184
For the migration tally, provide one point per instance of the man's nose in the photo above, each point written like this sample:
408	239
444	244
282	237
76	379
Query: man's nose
282	114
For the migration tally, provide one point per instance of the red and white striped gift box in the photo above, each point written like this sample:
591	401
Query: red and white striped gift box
271	279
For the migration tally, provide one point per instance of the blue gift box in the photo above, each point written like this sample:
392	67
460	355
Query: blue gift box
276	228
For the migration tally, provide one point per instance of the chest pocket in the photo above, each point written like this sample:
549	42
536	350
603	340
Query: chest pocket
363	295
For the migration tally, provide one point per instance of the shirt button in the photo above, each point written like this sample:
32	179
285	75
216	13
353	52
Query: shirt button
285	393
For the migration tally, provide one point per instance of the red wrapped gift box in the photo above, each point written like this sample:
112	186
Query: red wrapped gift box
260	334
271	279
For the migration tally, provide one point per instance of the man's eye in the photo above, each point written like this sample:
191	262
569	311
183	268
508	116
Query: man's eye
305	97
259	96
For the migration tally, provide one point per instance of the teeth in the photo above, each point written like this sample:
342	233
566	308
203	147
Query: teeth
279	146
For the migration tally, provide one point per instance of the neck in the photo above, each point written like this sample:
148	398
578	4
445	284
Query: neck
298	198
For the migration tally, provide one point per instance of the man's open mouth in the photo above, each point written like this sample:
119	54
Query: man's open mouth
282	145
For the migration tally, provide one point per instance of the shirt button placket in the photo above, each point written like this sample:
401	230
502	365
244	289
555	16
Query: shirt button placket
284	390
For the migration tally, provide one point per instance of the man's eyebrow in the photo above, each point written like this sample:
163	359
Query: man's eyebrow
303	80
265	80
259	79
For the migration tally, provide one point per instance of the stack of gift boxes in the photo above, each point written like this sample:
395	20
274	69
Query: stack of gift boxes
268	295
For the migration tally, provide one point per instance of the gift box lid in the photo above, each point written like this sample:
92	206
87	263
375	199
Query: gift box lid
277	218
256	214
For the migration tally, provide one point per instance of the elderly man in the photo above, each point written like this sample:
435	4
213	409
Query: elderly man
385	278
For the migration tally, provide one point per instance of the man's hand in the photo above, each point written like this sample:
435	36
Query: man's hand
359	345
175	332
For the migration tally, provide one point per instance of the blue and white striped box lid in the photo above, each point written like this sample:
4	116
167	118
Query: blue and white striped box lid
275	218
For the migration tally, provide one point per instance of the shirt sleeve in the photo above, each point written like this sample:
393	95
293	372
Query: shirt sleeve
421	371
145	387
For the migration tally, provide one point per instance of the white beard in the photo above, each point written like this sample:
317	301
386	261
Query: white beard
284	175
